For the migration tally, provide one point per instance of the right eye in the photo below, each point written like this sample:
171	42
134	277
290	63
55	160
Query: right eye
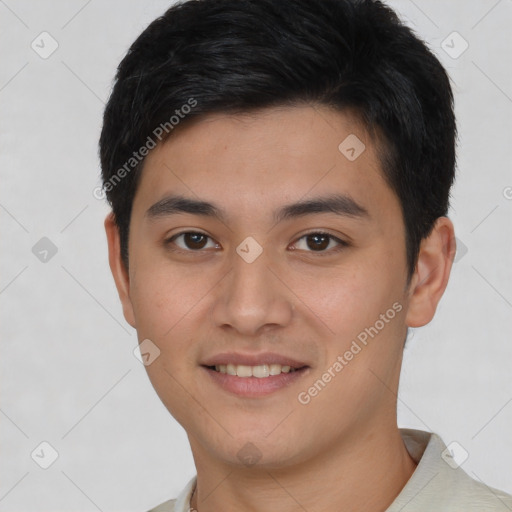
191	241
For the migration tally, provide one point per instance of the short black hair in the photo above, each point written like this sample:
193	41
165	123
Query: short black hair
240	56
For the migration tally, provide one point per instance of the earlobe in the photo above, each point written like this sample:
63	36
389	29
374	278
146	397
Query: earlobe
118	269
432	272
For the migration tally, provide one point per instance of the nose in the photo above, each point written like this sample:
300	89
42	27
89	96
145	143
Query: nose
253	298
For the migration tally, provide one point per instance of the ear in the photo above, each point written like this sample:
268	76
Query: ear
118	269
430	278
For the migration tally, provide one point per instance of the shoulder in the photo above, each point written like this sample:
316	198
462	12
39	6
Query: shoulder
181	503
439	483
473	495
451	490
168	506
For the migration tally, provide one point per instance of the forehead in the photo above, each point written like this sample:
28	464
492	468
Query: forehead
276	155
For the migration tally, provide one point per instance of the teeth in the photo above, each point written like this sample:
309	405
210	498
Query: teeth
275	369
260	371
243	371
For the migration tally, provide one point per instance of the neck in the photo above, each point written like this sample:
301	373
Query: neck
363	472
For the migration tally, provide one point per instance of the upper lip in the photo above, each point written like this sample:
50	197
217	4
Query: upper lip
253	359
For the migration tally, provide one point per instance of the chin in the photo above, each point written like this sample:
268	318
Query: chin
260	452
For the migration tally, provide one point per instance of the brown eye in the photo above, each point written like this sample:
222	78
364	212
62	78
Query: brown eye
319	242
194	240
190	241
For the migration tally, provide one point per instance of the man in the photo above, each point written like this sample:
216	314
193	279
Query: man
279	175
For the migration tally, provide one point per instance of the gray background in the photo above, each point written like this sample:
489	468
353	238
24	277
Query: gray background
69	376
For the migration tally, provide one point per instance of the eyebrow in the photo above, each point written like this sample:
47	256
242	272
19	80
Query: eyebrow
339	204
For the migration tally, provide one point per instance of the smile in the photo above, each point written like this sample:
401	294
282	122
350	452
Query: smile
260	371
254	381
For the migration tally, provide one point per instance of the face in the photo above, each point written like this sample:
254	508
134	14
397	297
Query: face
269	274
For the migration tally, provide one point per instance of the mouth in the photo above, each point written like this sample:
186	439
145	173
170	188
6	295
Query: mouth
261	371
254	376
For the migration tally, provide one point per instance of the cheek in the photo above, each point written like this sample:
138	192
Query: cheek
347	298
162	296
171	310
153	308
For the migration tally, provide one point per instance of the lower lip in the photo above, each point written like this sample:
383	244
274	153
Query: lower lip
253	387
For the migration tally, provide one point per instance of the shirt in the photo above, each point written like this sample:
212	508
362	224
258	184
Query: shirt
437	484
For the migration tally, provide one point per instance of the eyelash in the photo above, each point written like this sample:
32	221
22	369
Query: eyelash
341	243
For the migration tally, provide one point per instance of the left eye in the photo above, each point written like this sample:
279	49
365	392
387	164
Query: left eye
319	242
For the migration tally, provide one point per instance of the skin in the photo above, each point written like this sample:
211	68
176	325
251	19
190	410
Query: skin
343	450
